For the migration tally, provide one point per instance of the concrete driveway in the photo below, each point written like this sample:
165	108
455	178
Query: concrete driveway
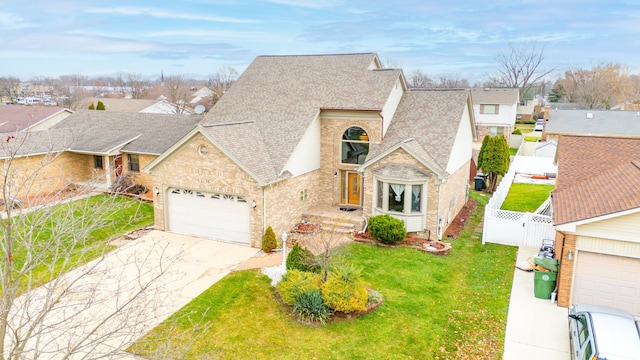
110	302
536	328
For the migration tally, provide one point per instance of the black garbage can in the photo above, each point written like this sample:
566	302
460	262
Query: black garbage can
479	182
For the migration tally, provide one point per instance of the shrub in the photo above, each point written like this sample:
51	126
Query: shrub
295	283
373	296
100	106
344	290
517	132
311	307
302	259
387	229
269	240
92	107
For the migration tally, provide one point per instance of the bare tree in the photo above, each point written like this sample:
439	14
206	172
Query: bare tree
324	243
178	90
452	83
221	81
602	86
136	85
417	79
9	86
520	67
72	90
48	302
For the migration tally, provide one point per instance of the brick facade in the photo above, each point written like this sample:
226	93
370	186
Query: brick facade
482	131
564	244
330	179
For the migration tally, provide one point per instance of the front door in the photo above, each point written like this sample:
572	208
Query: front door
118	164
353	188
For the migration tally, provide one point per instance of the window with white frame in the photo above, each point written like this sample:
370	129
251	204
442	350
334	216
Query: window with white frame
496	130
489	109
399	196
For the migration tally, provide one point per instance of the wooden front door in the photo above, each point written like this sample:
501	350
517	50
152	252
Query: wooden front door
353	188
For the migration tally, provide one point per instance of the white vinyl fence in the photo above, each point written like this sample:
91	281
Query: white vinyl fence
512	227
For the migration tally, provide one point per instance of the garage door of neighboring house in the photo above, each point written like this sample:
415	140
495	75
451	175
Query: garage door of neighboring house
216	216
607	280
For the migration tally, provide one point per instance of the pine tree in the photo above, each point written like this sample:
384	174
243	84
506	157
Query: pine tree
91	107
494	159
100	106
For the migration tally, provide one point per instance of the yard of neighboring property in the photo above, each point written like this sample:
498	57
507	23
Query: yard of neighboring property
526	197
449	307
70	234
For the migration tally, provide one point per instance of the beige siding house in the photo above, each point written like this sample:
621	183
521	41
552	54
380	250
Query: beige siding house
596	207
298	133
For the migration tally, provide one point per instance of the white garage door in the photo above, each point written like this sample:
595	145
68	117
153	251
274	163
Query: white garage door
607	280
216	216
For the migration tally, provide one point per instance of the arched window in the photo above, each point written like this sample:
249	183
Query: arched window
355	145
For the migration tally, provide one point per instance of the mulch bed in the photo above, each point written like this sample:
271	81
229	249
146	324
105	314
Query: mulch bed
458	223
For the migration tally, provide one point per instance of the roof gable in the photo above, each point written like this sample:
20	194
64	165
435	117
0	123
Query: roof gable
426	124
282	95
17	117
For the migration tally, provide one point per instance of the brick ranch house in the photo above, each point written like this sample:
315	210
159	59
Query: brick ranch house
596	212
298	133
88	147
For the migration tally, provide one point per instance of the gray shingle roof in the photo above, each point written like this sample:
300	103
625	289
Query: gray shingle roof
432	119
117	105
34	143
495	96
103	131
601	122
282	95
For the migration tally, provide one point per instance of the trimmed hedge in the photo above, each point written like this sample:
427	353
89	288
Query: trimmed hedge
269	240
387	229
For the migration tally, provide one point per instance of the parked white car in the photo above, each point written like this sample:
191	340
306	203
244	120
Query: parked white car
539	125
599	333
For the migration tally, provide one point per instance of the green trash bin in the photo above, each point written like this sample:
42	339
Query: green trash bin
543	283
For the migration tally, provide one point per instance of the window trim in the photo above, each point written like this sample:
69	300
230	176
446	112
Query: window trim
496	109
98	162
344	141
408	200
133	166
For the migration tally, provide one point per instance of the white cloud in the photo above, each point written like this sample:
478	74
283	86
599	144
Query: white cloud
10	21
137	11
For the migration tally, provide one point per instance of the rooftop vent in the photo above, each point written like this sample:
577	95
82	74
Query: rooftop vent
589	115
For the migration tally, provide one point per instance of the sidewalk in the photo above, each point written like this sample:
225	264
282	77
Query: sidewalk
536	328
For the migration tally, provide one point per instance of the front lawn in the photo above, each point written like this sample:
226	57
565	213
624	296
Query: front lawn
68	235
526	197
449	307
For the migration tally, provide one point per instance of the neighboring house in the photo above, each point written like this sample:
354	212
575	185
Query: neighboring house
527	105
299	132
117	104
90	147
592	122
539	149
15	118
495	111
596	212
165	107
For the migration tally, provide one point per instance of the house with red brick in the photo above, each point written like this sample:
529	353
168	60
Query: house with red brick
298	135
596	212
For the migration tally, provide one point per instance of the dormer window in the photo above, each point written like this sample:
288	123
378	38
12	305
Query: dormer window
355	145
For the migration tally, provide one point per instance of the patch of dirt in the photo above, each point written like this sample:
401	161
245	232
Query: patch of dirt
456	226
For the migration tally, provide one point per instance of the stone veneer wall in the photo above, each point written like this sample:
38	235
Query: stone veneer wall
215	172
450	195
482	131
138	176
565	274
280	201
402	157
42	174
331	151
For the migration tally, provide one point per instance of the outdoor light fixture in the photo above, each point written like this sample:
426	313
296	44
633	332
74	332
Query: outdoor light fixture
253	204
570	255
157	191
335	174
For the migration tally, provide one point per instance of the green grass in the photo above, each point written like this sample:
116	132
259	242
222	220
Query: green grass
525	128
513	151
71	234
526	197
448	307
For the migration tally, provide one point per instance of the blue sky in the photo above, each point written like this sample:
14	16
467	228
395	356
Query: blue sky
198	37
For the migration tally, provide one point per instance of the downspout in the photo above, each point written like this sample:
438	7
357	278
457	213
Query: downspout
264	210
439	224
